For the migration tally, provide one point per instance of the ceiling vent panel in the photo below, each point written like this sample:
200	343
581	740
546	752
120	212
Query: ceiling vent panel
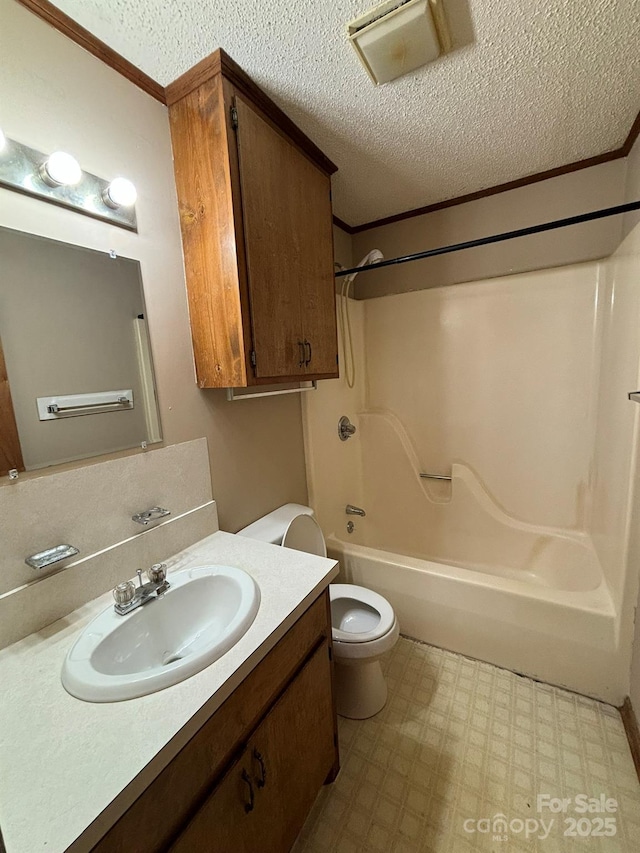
395	38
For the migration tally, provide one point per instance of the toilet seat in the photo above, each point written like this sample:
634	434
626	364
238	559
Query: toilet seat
303	533
362	614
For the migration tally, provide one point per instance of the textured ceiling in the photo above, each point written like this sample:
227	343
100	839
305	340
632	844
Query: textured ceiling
529	86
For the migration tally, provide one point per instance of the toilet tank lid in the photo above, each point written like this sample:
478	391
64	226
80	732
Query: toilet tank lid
272	527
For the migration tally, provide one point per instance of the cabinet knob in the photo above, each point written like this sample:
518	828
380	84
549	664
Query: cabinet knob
248	806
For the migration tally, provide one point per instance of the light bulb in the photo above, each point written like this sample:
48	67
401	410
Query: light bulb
120	193
61	168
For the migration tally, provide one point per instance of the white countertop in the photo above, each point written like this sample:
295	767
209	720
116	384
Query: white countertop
63	761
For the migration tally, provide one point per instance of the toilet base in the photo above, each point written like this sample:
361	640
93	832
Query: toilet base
361	689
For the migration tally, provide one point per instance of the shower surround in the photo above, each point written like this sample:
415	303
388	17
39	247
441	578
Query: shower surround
515	388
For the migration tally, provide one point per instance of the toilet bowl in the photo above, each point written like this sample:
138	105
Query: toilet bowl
364	625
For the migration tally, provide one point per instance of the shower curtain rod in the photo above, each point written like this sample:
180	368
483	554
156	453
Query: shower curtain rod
499	238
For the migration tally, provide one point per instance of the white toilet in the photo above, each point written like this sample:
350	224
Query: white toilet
364	625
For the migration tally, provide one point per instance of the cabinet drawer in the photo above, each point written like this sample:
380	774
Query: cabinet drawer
181	787
262	801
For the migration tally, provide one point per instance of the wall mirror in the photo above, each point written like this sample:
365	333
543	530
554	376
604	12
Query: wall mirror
76	374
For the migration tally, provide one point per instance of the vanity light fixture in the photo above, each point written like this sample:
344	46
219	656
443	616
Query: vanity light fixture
58	178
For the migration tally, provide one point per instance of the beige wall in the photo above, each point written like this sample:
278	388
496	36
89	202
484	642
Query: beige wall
632	188
568	195
342	249
57	96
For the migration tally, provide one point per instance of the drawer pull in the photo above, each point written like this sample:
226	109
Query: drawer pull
248	807
302	354
263	770
308	360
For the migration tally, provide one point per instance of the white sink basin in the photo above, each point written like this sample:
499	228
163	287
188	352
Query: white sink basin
202	615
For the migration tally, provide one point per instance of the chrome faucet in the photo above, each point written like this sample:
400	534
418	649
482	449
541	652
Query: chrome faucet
129	597
355	510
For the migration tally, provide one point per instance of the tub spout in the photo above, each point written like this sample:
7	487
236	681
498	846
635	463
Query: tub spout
355	510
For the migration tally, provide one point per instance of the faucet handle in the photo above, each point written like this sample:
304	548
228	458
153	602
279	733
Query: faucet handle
124	593
345	428
157	573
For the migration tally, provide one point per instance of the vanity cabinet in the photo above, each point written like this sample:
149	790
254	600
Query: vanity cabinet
248	777
255	210
262	801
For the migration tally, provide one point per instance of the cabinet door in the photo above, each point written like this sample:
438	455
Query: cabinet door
286	210
263	800
295	750
318	297
228	820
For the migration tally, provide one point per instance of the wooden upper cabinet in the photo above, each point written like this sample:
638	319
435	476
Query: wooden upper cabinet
255	210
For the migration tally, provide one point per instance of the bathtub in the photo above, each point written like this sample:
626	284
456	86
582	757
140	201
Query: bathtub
557	624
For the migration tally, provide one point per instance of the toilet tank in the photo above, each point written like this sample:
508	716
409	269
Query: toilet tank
272	527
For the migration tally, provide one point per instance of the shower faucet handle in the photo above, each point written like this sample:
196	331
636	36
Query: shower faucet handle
345	428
